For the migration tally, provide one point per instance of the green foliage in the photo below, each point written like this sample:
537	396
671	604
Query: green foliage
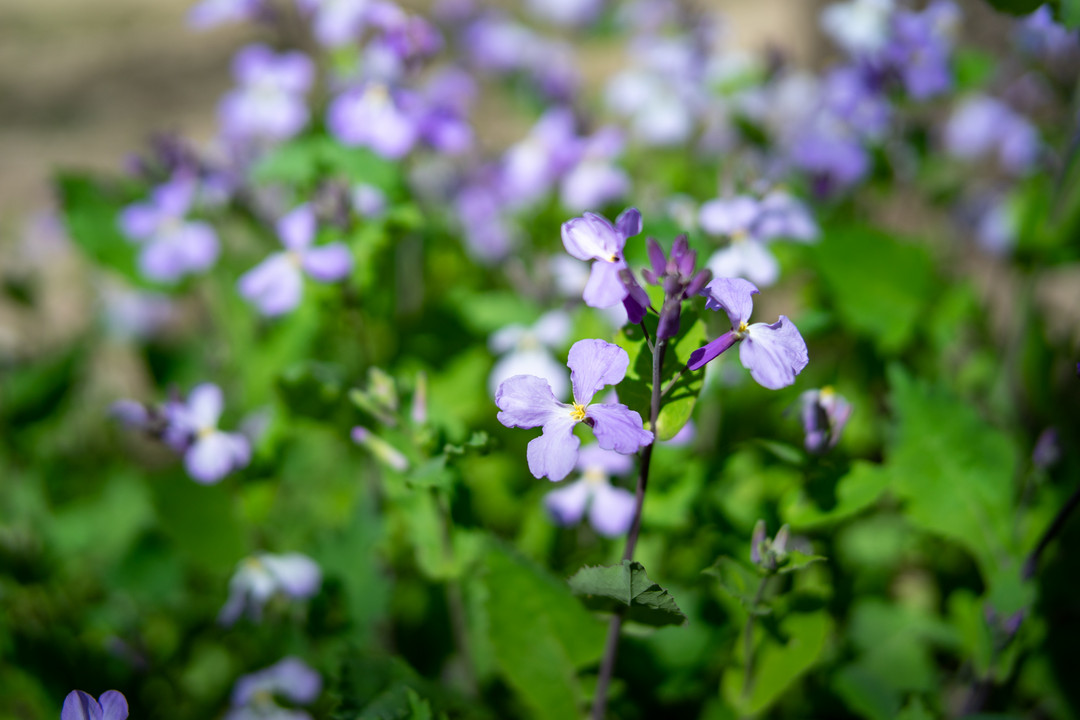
91	214
636	390
627	589
881	286
541	636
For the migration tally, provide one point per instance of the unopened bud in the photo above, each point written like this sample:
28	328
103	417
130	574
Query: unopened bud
382	450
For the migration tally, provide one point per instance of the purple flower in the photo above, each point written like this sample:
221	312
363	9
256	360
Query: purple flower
211	13
680	279
290	678
855	94
824	415
774	354
487	228
595	180
610	508
269	102
782	215
80	706
209	453
831	154
1047	450
747	255
376	116
920	48
565	12
337	22
261	576
861	27
526	401
592	237
275	285
530	168
172	246
983	126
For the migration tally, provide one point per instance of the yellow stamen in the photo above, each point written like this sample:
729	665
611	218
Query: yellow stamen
577	414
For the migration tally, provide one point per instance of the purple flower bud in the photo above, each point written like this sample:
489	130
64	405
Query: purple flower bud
1047	450
756	541
824	415
81	706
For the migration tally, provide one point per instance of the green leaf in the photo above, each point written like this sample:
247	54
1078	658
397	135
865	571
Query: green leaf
201	521
880	285
954	471
795	560
739	581
636	389
778	663
855	492
91	210
540	635
1016	7
311	389
616	587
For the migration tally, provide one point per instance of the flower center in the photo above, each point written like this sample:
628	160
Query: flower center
205	432
577	413
743	330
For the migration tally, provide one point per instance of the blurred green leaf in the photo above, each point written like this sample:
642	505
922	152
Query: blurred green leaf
739	581
881	285
91	210
201	521
540	635
636	390
857	490
1016	7
778	664
311	389
617	587
795	561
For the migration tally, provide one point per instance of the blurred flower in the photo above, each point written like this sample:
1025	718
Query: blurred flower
983	126
133	314
747	255
920	48
774	354
172	246
253	696
261	576
368	201
527	351
275	285
211	13
530	168
209	453
997	224
593	237
824	415
595	180
337	22
1040	35
857	95
80	706
269	102
377	117
610	508
565	12
526	401
1047	450
487	228
765	553
861	27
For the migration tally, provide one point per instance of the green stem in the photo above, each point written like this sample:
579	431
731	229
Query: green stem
748	637
611	644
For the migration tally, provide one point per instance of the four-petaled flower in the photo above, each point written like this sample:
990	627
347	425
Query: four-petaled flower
253	696
611	509
526	401
592	237
209	453
263	575
774	354
81	706
276	284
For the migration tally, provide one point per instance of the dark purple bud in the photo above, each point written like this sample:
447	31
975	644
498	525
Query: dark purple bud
669	320
656	257
1012	623
650	277
636	301
679	247
687	262
1047	449
699	282
755	542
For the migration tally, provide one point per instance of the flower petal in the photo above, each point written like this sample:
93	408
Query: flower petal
748	259
553	454
537	363
595	364
80	706
591	237
732	295
274	286
774	354
628	224
197	246
710	352
297	575
605	288
609	462
618	428
328	263
113	705
566	505
526	402
215	455
612	509
297	228
204	405
728	216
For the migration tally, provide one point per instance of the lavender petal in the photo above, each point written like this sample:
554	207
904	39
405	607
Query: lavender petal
700	357
595	364
554	453
618	428
80	706
612	510
274	286
566	505
605	288
526	401
774	354
328	263
732	295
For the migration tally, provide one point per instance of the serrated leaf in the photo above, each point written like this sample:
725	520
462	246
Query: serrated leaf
795	560
636	389
737	580
615	588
